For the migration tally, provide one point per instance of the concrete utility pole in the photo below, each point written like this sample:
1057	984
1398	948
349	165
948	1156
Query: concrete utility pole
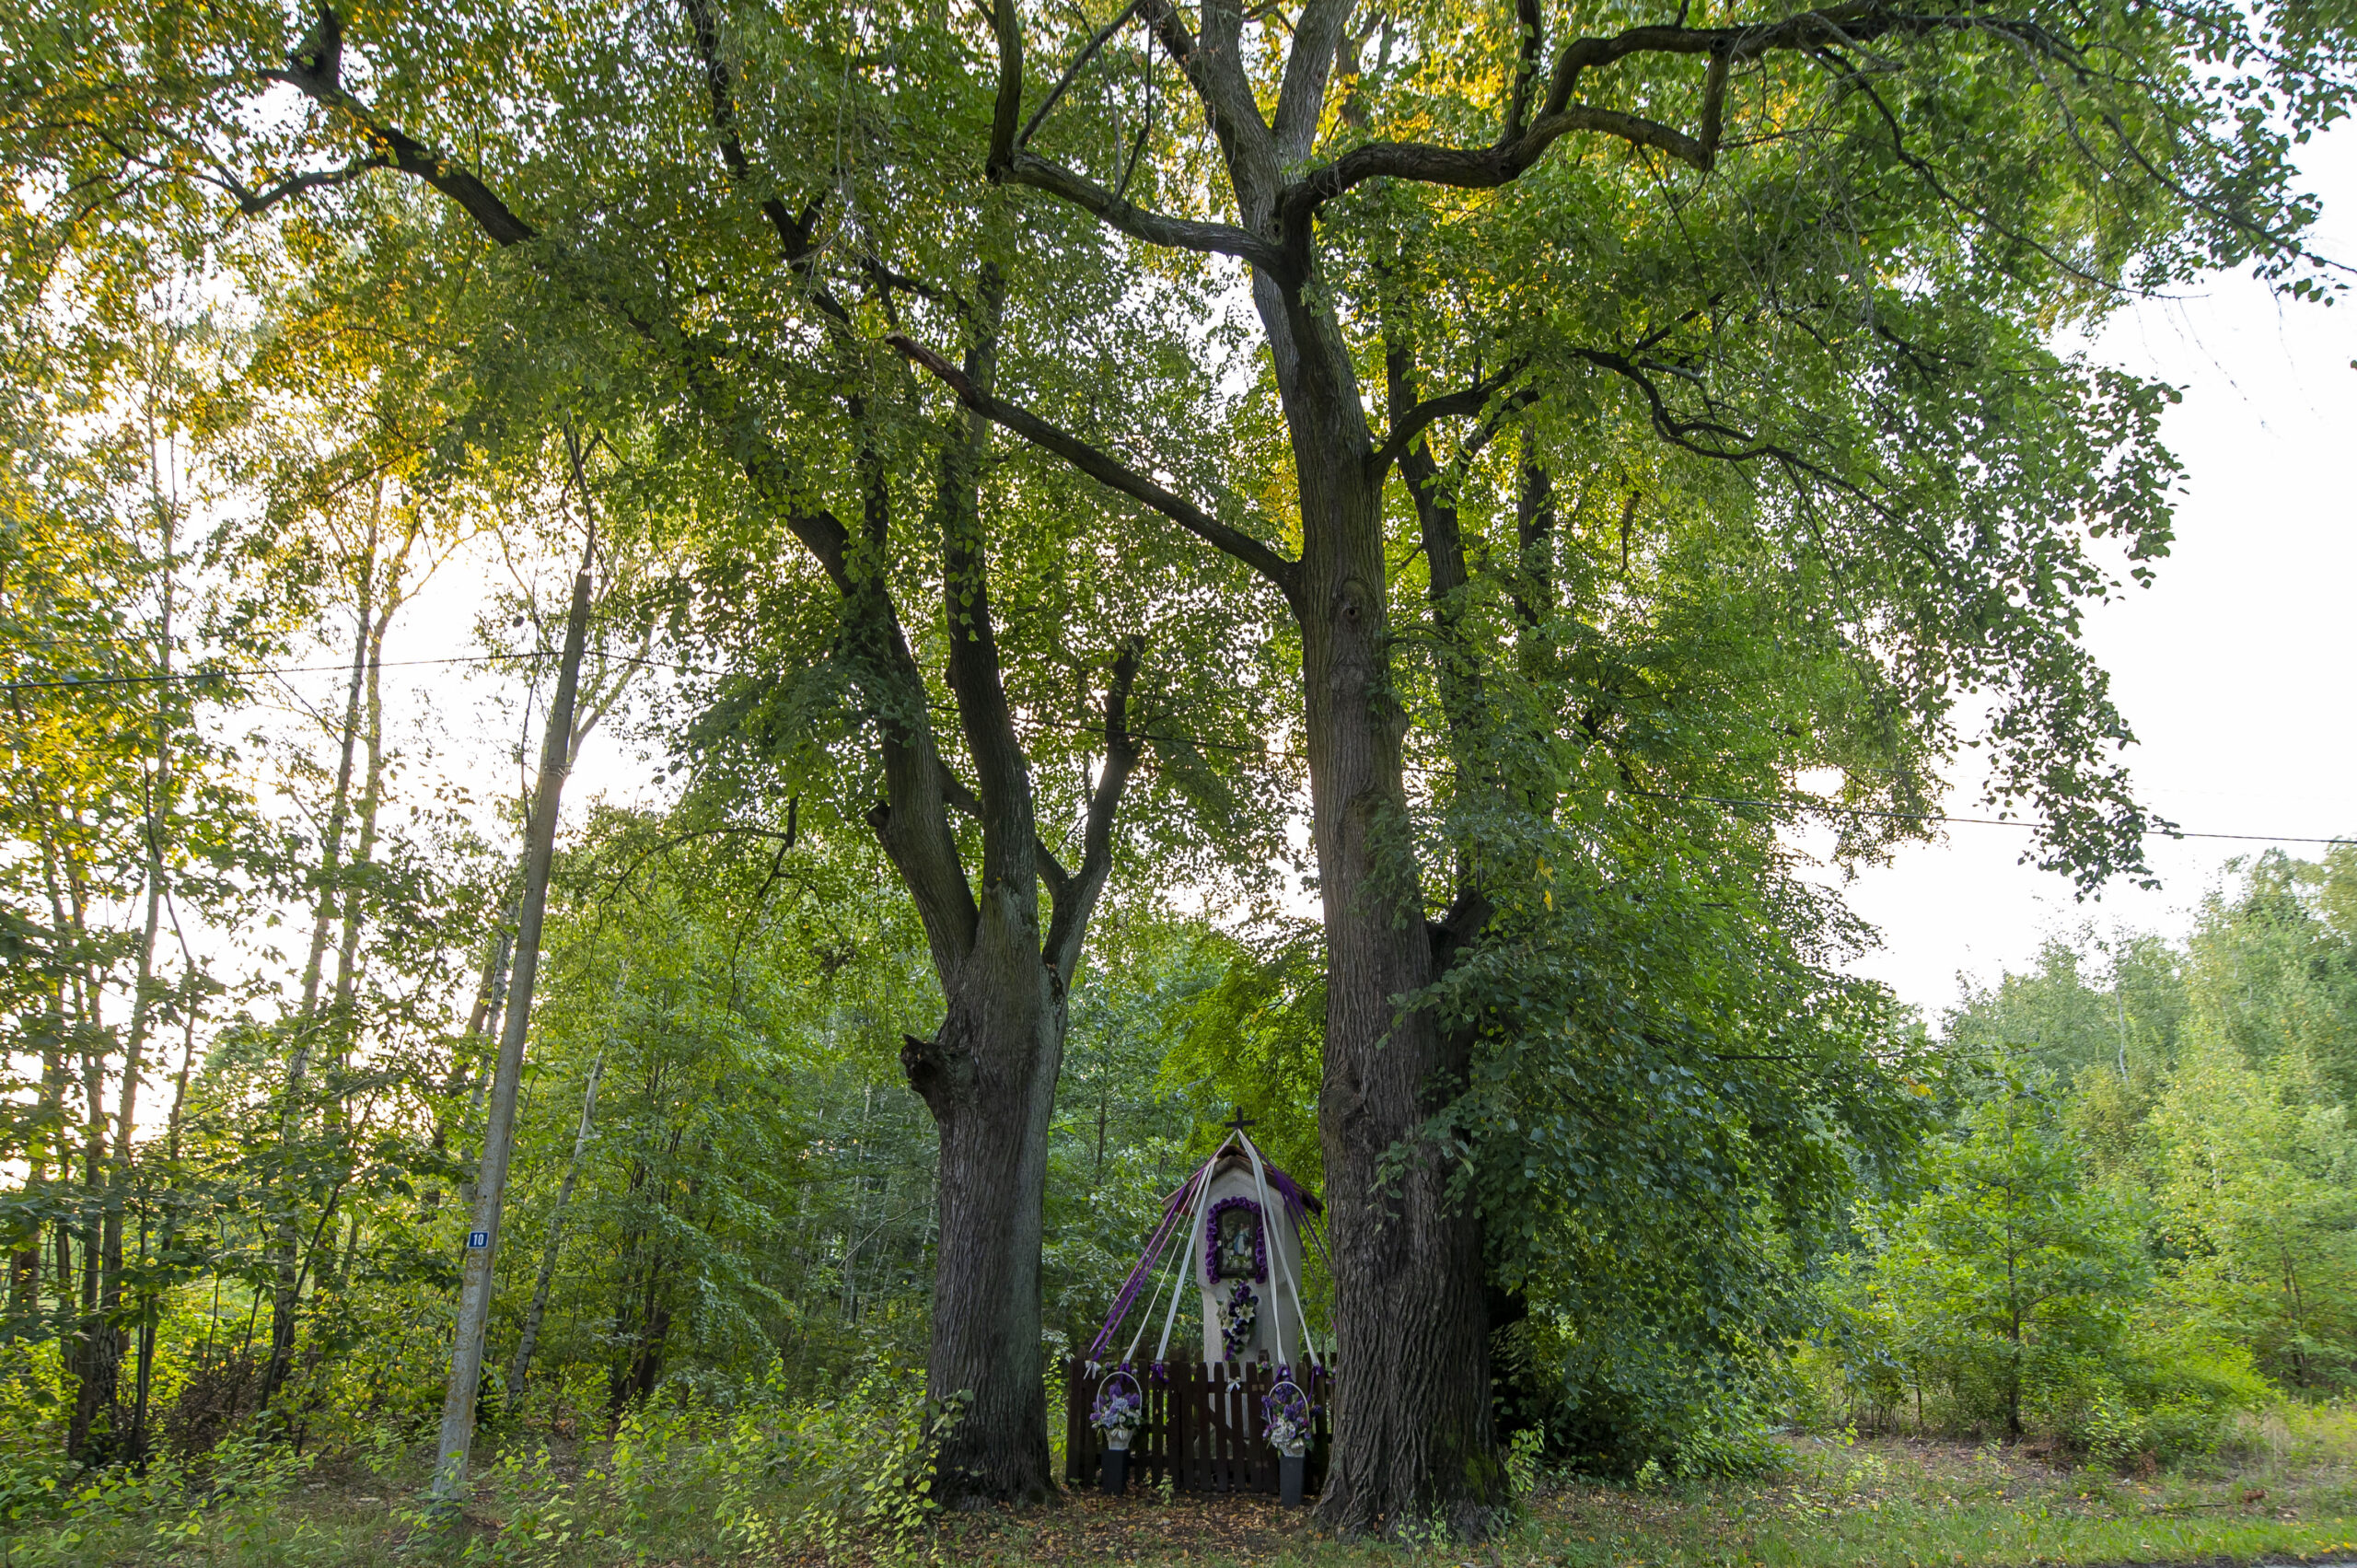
448	1487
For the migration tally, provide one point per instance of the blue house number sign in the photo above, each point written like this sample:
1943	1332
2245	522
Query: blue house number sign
478	1238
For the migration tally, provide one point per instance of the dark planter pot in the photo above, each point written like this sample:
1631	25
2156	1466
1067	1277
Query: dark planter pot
1289	1469
1117	1472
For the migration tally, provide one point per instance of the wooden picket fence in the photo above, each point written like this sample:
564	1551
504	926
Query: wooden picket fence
1202	1428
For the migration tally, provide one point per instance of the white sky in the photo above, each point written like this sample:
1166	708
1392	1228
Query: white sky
2234	669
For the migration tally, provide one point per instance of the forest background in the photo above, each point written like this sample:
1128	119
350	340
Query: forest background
260	887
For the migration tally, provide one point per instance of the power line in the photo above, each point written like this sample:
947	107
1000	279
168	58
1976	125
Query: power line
1828	809
1816	807
67	682
1819	806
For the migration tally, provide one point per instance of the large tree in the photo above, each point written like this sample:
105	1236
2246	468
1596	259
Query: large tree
1794	270
698	262
1822	249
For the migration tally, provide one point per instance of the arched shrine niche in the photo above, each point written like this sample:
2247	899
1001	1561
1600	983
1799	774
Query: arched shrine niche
1250	1272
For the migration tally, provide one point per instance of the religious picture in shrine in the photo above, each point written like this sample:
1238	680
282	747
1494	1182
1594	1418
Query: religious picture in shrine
1240	1242
1231	1237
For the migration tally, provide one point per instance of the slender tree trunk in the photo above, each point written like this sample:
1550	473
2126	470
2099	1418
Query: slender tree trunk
475	1288
131	1437
520	1368
47	1142
287	1241
372	788
372	793
97	1358
150	1308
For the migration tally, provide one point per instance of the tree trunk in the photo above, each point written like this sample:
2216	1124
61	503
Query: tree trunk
151	1306
989	1078
1412	1432
97	1354
131	1437
286	1287
47	1142
989	1074
1413	1435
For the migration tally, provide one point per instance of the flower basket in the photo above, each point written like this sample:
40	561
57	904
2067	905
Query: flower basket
1285	1416
1120	1410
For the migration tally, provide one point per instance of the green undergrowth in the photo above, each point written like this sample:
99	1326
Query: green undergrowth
833	1480
741	1491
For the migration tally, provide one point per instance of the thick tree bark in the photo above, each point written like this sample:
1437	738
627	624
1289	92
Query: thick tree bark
989	1076
1414	1439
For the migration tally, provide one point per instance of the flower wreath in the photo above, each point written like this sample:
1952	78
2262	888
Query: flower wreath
1119	1414
1260	1239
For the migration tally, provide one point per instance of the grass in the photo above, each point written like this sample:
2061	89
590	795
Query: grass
2288	1492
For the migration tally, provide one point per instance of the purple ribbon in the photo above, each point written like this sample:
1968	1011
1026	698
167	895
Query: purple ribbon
1172	1208
1299	1201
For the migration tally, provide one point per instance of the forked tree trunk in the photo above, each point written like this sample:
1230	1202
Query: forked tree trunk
994	1061
989	1078
1414	1441
989	1072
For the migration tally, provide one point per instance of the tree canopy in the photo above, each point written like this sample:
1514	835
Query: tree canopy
991	418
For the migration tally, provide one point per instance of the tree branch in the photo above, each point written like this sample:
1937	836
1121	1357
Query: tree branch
1072	73
1009	821
795	231
1074	898
1454	932
1483	168
1007	23
1215	68
1139	223
253	203
1532	24
1109	472
1422	416
316	70
1309	64
910	823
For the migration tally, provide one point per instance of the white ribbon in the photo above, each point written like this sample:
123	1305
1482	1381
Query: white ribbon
1277	1257
1186	1254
